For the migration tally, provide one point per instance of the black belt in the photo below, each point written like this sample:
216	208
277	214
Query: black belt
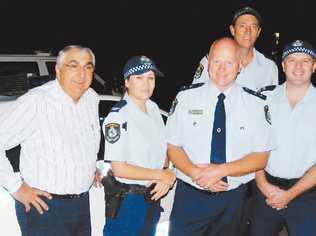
201	190
68	196
281	182
135	189
285	184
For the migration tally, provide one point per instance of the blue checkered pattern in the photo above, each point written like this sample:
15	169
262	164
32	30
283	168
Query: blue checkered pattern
299	46
137	69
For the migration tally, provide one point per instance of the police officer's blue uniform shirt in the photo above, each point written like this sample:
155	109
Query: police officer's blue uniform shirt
135	137
259	73
294	131
191	124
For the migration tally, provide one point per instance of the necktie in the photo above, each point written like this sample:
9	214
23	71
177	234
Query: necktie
218	145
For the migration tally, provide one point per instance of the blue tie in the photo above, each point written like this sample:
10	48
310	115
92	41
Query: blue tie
218	146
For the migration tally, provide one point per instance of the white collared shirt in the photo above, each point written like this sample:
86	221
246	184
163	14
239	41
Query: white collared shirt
294	130
138	138
59	140
191	125
259	73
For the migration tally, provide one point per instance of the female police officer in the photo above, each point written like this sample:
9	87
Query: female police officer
135	143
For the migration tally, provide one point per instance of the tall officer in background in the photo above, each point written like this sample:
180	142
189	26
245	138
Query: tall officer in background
136	146
217	136
285	192
257	71
57	125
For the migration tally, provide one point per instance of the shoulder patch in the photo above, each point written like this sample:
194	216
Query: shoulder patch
198	72
112	132
191	86
118	106
267	114
173	106
266	88
255	93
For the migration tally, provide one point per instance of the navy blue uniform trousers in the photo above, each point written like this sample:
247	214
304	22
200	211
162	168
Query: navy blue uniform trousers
299	217
135	218
65	217
199	212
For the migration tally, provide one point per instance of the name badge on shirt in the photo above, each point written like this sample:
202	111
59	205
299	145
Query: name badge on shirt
196	111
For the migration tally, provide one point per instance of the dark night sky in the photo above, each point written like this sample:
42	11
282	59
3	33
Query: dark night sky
176	34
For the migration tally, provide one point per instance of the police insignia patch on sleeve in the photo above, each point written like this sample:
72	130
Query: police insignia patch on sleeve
173	106
112	132
267	114
198	72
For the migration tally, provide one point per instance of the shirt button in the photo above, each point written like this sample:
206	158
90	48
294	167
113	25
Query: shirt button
218	130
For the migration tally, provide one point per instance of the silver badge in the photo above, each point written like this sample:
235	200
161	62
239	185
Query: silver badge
145	60
297	43
196	111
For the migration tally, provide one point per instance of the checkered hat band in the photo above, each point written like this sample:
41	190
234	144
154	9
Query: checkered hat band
299	49
136	69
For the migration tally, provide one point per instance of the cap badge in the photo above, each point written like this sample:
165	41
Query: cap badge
145	59
297	43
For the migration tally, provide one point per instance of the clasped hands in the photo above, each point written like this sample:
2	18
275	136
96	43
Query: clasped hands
209	177
276	197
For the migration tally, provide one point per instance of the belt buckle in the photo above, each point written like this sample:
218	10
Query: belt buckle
74	196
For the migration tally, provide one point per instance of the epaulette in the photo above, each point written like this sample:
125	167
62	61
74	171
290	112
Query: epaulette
191	86
257	94
266	88
118	106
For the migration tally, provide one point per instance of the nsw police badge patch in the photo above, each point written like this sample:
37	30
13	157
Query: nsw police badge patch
198	72
173	107
112	132
267	114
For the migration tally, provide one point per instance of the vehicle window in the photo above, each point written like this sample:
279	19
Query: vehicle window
105	107
51	67
13	68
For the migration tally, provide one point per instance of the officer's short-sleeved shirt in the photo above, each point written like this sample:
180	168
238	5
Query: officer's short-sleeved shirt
135	137
191	124
294	131
259	73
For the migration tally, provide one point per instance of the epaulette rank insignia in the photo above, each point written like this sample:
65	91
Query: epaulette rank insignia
191	86
118	105
255	93
266	88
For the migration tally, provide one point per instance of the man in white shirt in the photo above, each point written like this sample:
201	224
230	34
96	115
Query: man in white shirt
217	136
285	193
257	71
57	127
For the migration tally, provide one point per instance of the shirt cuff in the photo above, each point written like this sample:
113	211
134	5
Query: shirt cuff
13	185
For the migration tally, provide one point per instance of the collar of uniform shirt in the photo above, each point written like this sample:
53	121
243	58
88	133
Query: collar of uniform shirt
148	104
257	58
311	91
228	92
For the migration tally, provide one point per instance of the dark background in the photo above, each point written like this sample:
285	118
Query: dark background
176	34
